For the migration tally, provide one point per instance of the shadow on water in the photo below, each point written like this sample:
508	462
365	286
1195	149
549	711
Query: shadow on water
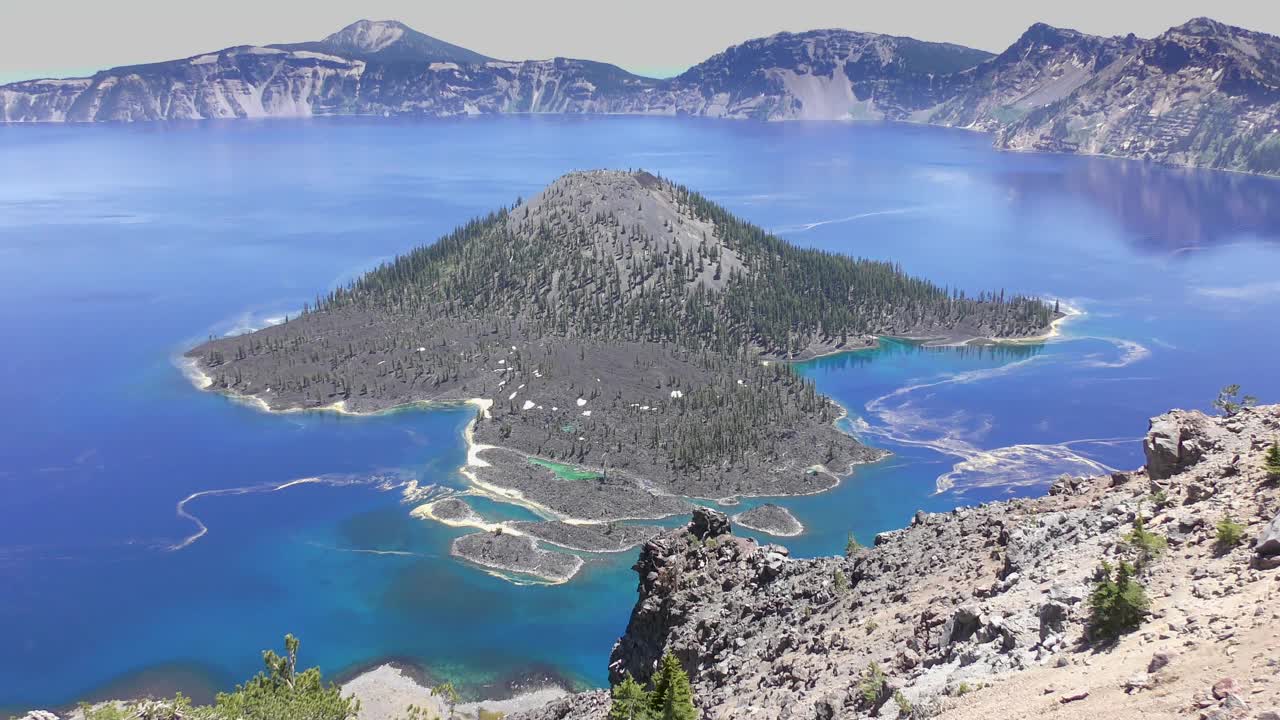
196	680
1166	210
385	530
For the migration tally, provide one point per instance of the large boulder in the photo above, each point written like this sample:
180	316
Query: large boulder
708	523
1171	446
1269	541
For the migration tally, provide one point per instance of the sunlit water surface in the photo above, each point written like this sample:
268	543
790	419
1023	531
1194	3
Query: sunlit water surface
122	245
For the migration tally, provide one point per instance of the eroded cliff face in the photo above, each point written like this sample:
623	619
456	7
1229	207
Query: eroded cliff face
389	69
1044	66
824	75
983	611
245	82
1202	94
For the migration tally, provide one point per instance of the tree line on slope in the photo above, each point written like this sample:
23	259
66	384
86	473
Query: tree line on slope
592	275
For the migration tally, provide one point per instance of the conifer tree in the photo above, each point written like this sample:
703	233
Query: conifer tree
1117	604
1271	464
672	697
630	701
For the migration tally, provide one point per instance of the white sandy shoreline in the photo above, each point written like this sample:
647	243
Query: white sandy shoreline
385	692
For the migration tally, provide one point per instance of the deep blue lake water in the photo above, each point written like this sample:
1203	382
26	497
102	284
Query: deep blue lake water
122	245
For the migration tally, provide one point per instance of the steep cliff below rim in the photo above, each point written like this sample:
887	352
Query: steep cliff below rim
983	611
1042	67
1202	94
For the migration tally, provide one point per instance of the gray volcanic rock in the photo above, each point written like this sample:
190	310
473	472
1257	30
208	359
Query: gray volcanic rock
513	553
969	598
1176	441
598	537
454	509
1269	541
603	499
388	40
1203	93
592	705
770	518
708	523
1043	66
824	75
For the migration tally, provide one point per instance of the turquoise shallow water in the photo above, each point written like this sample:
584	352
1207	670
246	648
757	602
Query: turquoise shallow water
122	245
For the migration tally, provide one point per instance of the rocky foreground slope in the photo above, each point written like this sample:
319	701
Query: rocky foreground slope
981	612
1203	94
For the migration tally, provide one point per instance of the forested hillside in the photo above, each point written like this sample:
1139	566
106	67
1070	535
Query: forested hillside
620	323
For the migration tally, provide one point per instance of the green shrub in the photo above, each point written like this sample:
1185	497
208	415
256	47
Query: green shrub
1116	604
904	705
283	693
670	699
1148	545
1230	533
1271	462
1230	402
415	712
840	580
449	694
871	686
961	690
672	696
278	693
106	711
852	546
630	701
1159	499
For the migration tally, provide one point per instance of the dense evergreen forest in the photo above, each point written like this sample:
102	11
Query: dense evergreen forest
617	322
703	279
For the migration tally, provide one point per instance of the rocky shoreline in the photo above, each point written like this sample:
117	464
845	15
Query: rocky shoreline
507	552
591	538
771	519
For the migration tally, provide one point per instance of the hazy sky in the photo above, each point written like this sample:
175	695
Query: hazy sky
66	37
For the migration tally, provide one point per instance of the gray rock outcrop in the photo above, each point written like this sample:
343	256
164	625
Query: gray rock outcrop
959	600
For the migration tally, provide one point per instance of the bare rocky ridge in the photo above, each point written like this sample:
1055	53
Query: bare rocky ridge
1203	94
981	612
1042	67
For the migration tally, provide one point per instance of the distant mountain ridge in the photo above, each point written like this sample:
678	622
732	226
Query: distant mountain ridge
1202	94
